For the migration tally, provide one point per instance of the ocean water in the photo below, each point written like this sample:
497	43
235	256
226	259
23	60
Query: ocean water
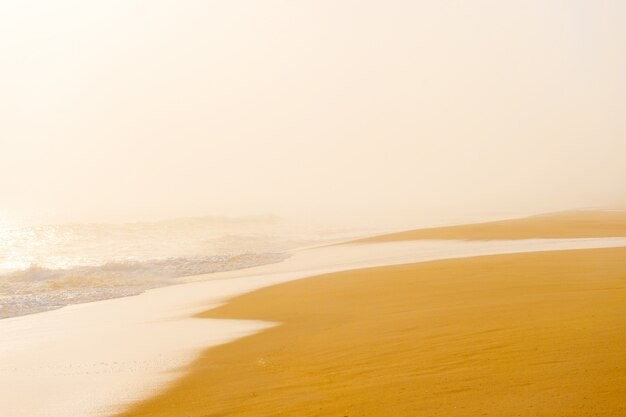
47	267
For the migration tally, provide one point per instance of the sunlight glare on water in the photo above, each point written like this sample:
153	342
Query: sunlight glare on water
46	267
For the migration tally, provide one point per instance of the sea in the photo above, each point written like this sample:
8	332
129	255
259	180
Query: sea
51	266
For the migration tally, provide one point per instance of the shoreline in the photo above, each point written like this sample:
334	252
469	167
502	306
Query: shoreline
99	358
495	228
539	333
77	374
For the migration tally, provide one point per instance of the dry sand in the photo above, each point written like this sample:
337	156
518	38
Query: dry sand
572	224
534	334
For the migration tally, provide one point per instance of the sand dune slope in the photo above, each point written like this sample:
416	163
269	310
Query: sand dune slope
571	224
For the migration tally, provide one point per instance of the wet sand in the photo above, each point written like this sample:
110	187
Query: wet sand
531	334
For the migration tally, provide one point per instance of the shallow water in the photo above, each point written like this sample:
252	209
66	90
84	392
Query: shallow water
47	267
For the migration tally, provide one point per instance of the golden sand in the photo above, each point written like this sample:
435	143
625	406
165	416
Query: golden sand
574	224
539	334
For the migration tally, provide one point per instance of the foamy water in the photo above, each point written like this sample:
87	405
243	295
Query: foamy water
47	267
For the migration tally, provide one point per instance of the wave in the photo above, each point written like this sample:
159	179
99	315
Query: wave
37	289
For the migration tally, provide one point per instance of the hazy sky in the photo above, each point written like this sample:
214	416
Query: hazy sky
126	110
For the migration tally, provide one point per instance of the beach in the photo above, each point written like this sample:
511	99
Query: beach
378	327
538	334
568	224
313	208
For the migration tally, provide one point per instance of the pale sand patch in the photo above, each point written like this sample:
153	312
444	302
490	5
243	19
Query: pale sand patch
91	359
537	334
572	224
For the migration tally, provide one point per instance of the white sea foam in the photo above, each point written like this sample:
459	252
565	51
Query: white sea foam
37	289
47	267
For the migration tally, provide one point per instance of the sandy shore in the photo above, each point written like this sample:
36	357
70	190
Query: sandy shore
571	224
536	334
97	359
